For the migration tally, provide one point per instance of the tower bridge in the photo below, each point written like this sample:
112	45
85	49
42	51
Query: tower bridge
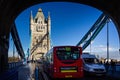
40	38
11	9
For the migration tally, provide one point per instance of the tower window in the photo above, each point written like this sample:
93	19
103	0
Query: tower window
36	20
38	28
39	22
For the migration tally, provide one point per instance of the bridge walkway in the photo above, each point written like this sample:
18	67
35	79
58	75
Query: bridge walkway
26	72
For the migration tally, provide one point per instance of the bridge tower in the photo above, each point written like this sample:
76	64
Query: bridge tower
40	28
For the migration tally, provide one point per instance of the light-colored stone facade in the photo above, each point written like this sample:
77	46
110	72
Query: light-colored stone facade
40	28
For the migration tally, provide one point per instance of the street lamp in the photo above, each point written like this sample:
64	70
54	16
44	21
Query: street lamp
108	39
13	51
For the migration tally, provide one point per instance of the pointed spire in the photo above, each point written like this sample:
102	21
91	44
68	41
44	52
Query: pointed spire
49	20
48	15
39	14
49	24
31	17
39	10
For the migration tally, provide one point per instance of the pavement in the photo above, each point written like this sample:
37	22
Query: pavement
114	73
26	72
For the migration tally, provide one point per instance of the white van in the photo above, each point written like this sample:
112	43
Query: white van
92	65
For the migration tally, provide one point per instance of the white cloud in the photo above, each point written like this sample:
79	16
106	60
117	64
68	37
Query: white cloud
103	48
10	54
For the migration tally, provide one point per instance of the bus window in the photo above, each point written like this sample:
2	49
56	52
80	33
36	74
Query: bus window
67	55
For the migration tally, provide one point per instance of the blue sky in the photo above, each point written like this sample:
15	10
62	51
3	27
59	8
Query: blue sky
69	23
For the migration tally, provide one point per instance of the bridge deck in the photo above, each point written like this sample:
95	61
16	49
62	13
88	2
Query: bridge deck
27	72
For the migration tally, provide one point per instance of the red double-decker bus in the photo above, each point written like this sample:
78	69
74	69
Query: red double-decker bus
64	62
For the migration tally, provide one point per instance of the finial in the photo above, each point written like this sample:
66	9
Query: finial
31	14
48	15
39	10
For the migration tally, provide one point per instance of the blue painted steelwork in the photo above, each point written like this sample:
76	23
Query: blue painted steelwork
17	42
95	29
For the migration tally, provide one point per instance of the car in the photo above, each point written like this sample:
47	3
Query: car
92	66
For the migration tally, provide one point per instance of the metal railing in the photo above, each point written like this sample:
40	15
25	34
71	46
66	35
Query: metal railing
13	65
12	72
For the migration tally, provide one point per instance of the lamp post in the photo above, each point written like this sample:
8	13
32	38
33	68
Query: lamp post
108	40
13	51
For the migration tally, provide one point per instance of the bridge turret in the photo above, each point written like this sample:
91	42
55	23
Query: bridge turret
40	40
48	31
31	18
49	23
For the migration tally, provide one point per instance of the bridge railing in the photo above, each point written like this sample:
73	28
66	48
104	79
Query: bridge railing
117	67
13	65
9	75
110	68
12	72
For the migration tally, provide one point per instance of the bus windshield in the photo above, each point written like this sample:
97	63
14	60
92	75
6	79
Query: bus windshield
68	54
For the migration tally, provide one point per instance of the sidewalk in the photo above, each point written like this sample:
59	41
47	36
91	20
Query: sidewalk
26	72
116	73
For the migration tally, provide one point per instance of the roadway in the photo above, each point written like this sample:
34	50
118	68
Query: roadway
34	71
109	76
